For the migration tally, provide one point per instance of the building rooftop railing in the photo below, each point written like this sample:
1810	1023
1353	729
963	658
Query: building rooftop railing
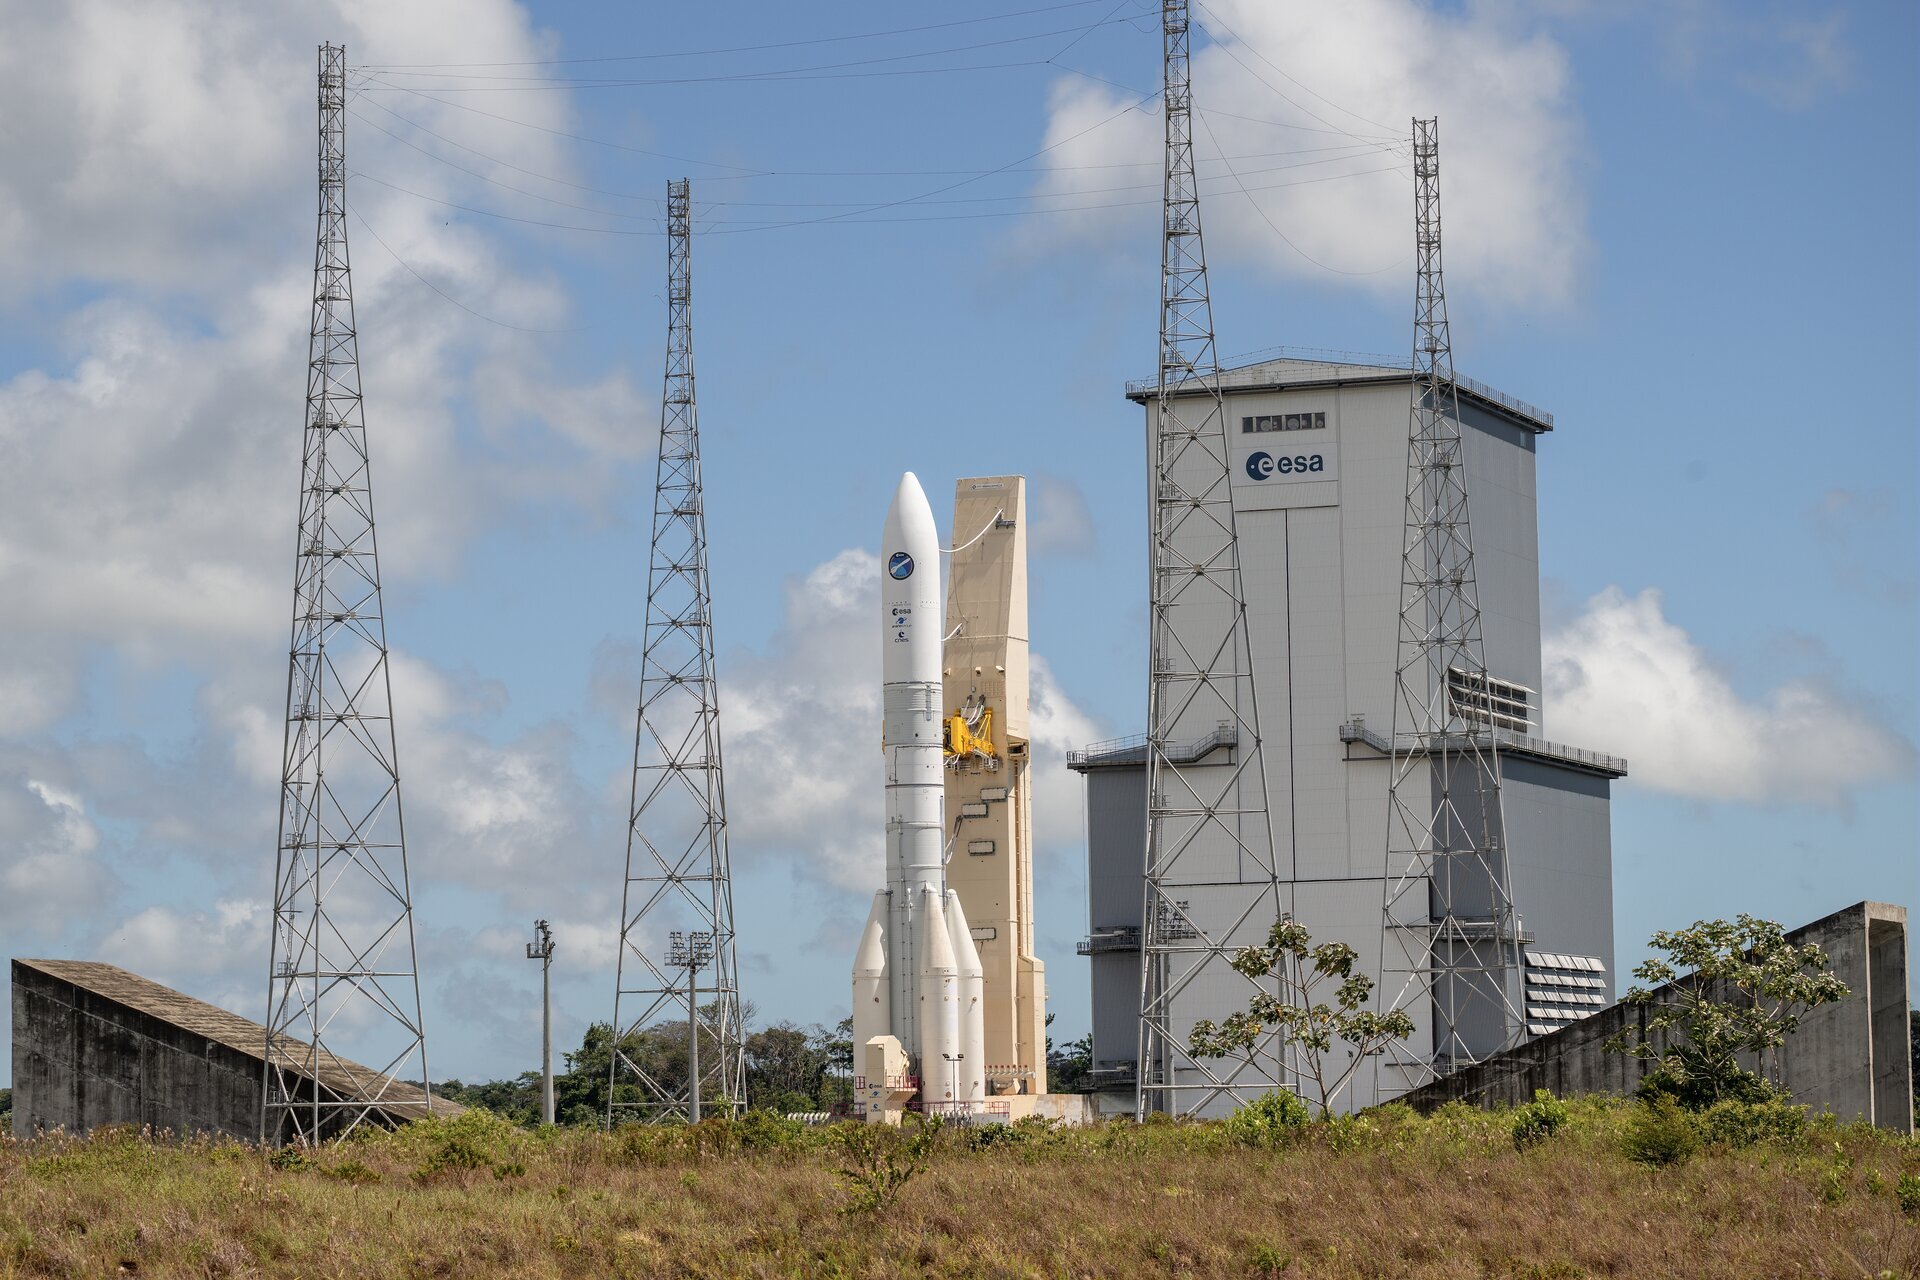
1505	739
1133	750
1256	374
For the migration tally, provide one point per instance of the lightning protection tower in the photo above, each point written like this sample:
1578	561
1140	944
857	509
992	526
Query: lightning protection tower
1212	883
1450	941
342	963
677	879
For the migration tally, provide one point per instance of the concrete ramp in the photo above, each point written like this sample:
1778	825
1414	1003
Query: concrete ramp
94	1044
1852	1057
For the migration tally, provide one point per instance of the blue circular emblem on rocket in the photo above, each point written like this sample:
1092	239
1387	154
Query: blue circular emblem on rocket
900	566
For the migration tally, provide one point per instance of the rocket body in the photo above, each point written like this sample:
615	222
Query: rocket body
910	977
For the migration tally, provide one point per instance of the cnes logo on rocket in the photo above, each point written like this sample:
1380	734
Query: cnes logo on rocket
1263	465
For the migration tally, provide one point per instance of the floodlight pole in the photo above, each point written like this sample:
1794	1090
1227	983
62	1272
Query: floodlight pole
691	951
541	949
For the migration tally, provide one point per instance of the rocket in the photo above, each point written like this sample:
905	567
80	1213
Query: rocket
917	978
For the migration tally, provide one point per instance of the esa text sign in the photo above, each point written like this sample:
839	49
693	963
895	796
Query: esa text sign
1271	473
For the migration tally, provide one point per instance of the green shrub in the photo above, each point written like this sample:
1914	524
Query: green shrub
1268	1260
1344	1133
1268	1121
882	1159
1028	1131
291	1159
1907	1191
1742	1124
1695	1094
1661	1132
352	1172
1538	1120
769	1131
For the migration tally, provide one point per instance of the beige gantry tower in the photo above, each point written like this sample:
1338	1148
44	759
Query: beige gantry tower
989	769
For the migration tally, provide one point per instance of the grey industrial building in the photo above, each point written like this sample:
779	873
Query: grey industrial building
1319	454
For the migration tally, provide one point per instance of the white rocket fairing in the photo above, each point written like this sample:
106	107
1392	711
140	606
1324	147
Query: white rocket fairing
917	976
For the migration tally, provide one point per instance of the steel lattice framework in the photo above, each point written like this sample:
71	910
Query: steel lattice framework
342	962
1212	879
677	878
1450	940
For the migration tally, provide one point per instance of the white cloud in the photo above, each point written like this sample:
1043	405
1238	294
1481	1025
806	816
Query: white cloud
1059	523
148	469
1515	211
802	730
1623	678
50	869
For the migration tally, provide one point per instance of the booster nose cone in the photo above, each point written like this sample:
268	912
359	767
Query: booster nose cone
911	616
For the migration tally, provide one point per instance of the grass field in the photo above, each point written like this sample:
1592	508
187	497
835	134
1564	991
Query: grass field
1388	1195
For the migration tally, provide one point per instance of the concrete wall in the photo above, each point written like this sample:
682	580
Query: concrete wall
1851	1057
81	1060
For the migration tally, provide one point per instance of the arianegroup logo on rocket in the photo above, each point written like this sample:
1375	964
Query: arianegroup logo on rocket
1263	465
900	566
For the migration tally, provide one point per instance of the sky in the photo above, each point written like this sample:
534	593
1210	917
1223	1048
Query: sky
1684	227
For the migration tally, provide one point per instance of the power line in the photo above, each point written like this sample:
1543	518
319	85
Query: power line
504	186
1275	226
493	159
376	86
745	48
576	137
838	173
1254	50
539	83
408	267
854	217
1227	48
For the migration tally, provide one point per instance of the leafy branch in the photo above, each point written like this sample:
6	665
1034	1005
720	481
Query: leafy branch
1301	971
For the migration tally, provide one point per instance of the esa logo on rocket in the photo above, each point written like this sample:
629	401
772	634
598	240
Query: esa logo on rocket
1263	465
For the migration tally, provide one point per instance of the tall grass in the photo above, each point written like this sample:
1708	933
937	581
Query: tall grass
1387	1193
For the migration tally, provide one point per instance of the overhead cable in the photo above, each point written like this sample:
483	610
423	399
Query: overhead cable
745	48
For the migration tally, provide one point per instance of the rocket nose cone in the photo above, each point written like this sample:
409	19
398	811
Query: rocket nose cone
910	524
909	489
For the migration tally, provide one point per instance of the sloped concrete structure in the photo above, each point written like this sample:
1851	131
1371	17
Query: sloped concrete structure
94	1044
1852	1057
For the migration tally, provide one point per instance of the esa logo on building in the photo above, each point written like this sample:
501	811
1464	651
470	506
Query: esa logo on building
900	566
1263	465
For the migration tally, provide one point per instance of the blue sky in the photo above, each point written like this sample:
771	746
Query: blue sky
1685	229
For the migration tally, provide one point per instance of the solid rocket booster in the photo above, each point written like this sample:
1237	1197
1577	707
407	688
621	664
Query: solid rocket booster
917	976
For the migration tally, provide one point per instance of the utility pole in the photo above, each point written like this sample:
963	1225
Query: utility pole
541	949
1212	879
343	947
677	876
692	952
1450	942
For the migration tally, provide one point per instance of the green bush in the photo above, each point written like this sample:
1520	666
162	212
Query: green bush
353	1172
1908	1192
1028	1131
291	1159
1661	1132
1538	1120
760	1130
1268	1121
1742	1124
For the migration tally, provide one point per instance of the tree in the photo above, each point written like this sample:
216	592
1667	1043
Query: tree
1299	971
517	1099
786	1067
1069	1070
1722	992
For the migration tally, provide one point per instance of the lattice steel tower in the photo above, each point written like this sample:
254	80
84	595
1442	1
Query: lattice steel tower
342	963
1212	882
1450	940
677	880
